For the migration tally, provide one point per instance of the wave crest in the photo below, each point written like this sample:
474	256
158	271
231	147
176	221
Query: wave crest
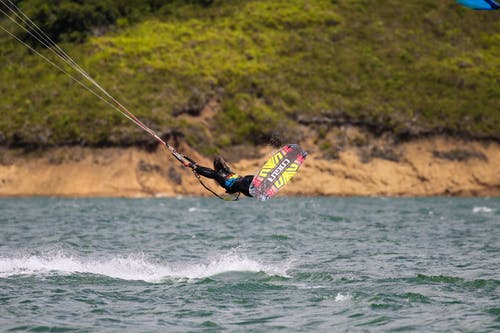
131	267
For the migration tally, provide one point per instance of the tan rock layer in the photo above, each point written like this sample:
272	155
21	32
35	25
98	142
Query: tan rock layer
424	168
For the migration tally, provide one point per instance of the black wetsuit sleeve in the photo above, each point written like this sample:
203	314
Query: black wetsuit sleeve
209	173
205	172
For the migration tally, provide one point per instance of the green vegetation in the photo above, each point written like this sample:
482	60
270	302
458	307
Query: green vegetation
75	20
402	67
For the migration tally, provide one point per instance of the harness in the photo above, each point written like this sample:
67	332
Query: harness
230	179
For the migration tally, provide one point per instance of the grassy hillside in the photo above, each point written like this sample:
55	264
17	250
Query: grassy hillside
401	67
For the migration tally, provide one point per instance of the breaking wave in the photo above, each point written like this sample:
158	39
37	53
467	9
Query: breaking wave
131	267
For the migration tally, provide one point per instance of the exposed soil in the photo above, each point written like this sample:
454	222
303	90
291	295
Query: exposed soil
424	167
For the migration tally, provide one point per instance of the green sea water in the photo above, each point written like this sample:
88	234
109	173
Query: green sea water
287	265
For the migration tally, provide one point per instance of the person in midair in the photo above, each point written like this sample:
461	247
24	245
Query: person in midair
222	174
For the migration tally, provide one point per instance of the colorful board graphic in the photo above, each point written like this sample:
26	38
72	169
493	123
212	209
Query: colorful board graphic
277	171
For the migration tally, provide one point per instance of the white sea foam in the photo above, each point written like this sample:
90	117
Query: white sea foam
341	297
482	209
131	267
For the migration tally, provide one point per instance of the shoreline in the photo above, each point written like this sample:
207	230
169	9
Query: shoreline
419	168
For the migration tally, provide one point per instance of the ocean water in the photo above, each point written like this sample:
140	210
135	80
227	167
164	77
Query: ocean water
287	265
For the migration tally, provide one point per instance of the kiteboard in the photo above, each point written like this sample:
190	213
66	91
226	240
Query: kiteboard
277	172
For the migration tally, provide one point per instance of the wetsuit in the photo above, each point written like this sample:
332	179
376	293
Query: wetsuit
231	182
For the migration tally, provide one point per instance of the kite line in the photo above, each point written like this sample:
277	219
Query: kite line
21	20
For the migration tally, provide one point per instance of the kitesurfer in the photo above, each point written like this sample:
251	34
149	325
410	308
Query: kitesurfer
222	174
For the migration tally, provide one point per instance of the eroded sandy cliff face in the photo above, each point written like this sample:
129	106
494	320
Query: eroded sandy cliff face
425	167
